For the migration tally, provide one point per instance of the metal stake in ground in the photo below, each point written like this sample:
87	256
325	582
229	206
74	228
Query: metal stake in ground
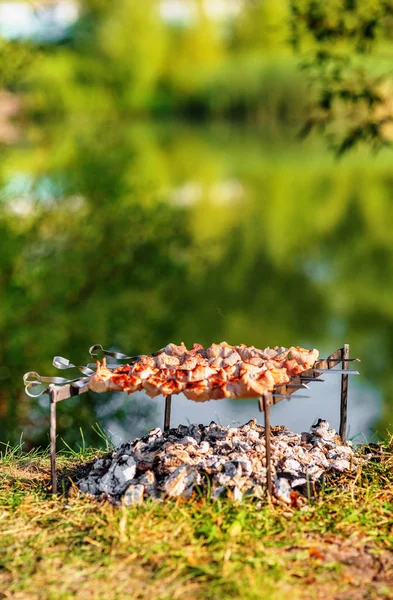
52	400
344	393
167	416
265	403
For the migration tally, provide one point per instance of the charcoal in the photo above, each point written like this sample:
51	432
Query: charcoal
283	487
133	495
232	469
180	481
118	476
220	461
204	447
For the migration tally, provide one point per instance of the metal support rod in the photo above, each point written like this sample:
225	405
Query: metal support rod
52	400
267	401
167	416
344	394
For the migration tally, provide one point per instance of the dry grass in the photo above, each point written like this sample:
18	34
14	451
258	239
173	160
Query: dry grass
339	546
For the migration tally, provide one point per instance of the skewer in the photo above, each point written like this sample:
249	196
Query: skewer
338	360
289	396
337	371
167	415
295	385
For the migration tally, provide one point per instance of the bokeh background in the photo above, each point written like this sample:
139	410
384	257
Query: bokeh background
154	188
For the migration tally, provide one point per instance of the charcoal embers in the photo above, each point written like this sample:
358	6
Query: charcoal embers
227	461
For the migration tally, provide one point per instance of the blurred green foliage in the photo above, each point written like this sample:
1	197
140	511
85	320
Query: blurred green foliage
125	59
351	94
133	234
16	60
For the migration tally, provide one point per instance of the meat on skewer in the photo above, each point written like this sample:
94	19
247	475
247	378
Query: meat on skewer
220	371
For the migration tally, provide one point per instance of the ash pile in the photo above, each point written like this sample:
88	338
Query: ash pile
221	461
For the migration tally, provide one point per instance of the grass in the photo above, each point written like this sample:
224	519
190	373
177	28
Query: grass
338	546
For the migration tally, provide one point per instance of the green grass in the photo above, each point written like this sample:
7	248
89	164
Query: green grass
338	546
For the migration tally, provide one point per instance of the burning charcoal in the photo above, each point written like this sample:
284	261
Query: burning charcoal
246	466
182	431
148	479
253	435
188	440
194	432
232	469
258	491
117	477
299	482
340	452
306	437
286	435
292	466
133	495
218	492
322	430
242	445
88	486
146	460
247	426
341	465
100	466
223	479
180	480
215	434
215	463
235	494
204	447
314	472
317	455
155	433
171	464
282	483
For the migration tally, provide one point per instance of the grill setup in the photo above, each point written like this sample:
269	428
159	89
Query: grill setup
60	389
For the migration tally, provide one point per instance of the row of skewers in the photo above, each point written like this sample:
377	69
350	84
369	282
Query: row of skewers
219	371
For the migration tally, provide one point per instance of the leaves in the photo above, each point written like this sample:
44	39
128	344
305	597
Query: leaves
350	99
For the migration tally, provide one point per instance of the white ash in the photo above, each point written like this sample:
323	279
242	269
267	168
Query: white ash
224	460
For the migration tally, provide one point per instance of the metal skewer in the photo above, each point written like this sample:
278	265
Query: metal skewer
337	371
295	385
337	360
289	396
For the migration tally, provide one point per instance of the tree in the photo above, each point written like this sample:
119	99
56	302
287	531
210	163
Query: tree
339	42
